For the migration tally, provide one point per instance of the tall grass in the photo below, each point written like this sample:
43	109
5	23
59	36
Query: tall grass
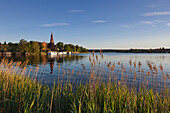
20	92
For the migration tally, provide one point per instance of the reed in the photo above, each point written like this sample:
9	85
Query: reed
21	92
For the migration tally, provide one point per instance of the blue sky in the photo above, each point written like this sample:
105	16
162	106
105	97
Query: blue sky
117	24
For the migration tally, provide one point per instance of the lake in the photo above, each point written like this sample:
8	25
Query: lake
78	68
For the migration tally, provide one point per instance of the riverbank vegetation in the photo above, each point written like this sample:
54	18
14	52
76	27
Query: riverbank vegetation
37	47
22	92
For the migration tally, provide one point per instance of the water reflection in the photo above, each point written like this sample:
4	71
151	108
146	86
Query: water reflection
63	60
51	66
49	71
44	59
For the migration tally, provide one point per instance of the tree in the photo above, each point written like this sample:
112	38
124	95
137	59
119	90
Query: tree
66	47
22	42
10	43
22	45
10	46
60	45
77	48
5	48
74	49
41	47
136	51
35	47
14	47
84	50
28	47
71	49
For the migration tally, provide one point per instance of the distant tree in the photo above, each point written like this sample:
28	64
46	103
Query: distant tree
41	47
81	48
31	42
66	47
22	42
13	47
10	47
60	45
22	46
5	48
35	47
74	49
10	43
71	49
84	50
78	48
136	51
28	47
131	50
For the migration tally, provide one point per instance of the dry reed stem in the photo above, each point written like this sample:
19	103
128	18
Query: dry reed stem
83	66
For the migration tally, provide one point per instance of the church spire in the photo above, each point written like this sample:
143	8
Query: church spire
52	40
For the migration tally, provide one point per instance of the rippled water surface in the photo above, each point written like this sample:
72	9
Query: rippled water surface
69	67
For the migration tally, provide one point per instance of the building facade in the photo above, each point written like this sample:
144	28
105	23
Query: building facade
51	45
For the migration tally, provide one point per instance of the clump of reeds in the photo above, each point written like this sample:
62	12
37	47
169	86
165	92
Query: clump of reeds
22	93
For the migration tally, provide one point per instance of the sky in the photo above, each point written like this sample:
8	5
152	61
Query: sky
113	24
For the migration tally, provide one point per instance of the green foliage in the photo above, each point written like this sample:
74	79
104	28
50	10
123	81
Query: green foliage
5	48
66	47
35	48
74	48
41	47
20	93
84	50
78	48
12	47
134	50
60	45
70	47
23	46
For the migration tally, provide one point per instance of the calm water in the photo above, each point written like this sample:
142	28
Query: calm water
69	67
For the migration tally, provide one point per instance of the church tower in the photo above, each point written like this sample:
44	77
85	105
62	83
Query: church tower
51	44
52	40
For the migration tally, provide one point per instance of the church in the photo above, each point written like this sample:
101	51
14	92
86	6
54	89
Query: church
49	46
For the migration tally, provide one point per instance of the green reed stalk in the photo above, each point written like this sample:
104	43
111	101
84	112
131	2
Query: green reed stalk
20	93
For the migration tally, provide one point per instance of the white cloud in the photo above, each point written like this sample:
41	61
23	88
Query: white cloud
128	26
152	23
152	6
168	24
147	22
159	21
156	13
55	24
75	11
155	5
99	21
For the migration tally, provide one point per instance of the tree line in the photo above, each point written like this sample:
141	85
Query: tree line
37	47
